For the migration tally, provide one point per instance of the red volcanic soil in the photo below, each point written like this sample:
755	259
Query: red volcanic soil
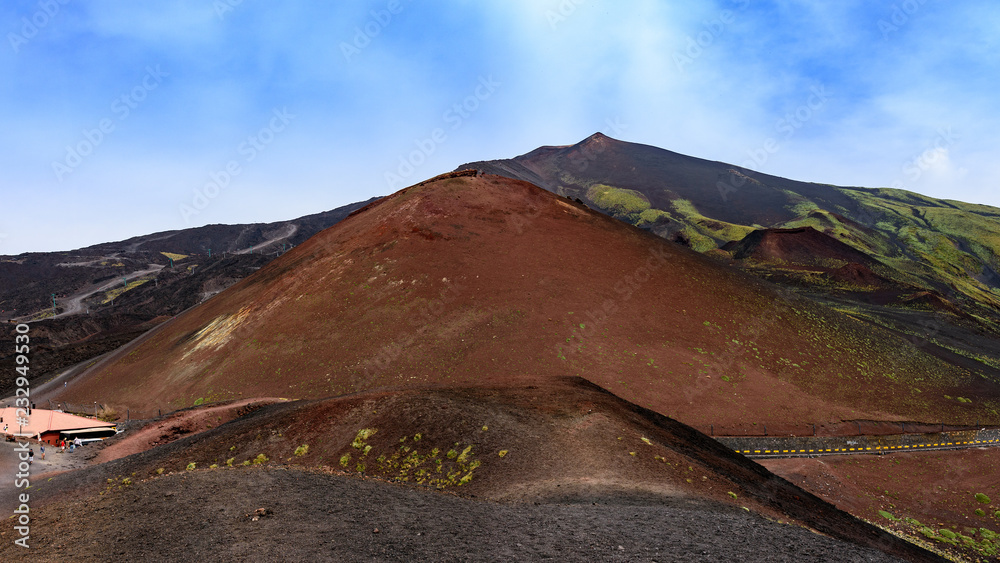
472	280
932	301
937	488
176	426
559	441
802	246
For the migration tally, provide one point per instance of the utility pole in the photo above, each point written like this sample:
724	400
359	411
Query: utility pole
209	252
53	303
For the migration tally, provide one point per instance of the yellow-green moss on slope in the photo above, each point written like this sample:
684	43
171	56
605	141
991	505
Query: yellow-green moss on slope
109	295
706	233
617	201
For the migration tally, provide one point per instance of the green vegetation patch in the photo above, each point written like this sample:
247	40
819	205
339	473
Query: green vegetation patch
704	232
619	202
981	541
109	295
650	216
362	436
406	461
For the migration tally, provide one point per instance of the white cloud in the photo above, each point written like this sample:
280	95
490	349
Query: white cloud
562	78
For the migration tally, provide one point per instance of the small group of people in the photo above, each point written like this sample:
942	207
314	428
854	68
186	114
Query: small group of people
62	448
72	445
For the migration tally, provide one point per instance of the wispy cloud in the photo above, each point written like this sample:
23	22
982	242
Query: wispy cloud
567	66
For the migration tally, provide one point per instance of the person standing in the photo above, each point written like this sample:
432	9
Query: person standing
42	448
31	456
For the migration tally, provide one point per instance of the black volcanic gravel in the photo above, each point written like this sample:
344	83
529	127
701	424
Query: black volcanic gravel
209	516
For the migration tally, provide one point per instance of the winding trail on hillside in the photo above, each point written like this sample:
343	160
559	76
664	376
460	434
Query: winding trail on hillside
87	263
73	304
288	231
811	446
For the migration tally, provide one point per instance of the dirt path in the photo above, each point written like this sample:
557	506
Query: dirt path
287	233
174	427
73	304
55	462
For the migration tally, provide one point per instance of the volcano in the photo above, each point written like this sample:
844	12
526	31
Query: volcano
479	334
472	279
804	246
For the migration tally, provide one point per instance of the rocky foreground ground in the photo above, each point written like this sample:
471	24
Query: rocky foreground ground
271	514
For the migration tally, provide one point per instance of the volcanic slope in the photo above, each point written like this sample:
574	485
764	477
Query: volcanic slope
557	450
945	247
481	279
804	245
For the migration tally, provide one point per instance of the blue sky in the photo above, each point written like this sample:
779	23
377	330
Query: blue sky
125	118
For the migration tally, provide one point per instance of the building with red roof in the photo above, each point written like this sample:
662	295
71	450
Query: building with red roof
51	426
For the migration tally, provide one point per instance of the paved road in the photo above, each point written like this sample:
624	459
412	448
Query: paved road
809	446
